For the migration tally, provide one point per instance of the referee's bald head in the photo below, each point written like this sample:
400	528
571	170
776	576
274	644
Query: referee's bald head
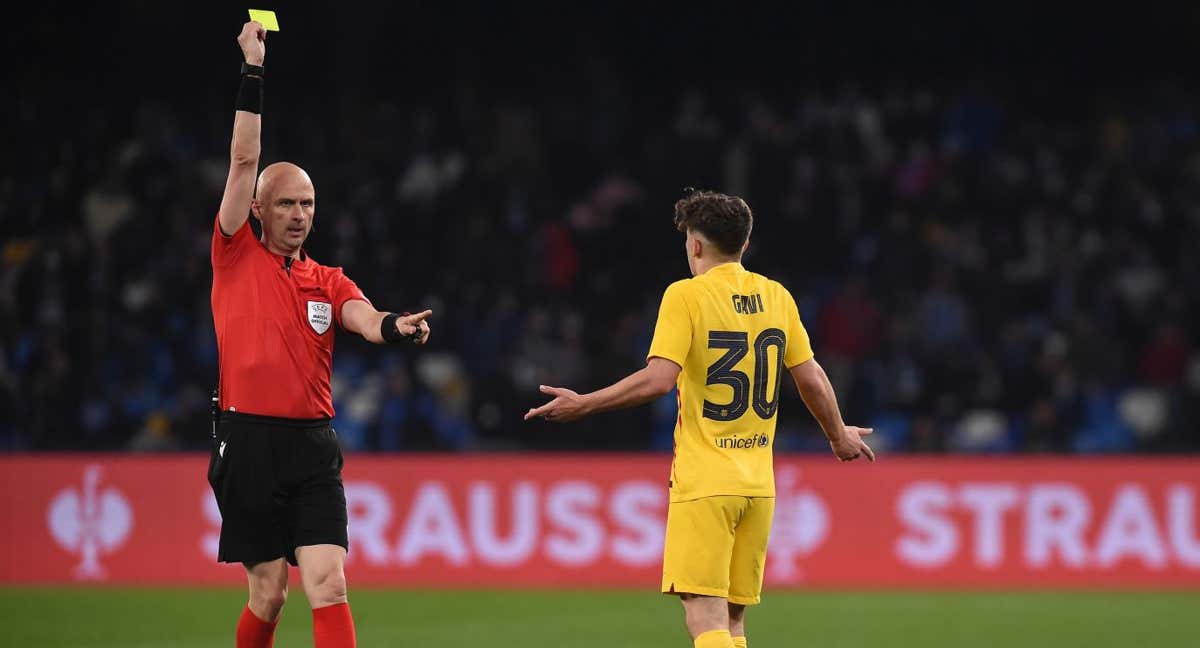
279	175
284	204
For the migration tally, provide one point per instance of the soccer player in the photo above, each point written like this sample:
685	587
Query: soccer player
276	468
724	337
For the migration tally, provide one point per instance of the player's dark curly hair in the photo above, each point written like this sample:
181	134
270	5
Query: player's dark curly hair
724	220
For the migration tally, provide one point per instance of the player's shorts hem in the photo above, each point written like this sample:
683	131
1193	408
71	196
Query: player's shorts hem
745	600
692	498
675	588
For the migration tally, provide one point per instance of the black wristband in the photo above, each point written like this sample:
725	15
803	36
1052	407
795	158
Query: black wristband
250	68
250	94
387	330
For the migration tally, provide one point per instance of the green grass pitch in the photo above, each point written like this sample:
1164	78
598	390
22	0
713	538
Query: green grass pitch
204	618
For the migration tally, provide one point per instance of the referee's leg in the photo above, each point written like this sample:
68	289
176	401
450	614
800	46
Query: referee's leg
322	573
268	593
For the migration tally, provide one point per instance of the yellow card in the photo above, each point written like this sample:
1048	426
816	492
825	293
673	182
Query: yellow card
267	18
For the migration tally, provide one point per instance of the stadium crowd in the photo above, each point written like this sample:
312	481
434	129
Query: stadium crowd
978	272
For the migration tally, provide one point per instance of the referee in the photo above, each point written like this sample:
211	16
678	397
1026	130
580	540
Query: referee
276	465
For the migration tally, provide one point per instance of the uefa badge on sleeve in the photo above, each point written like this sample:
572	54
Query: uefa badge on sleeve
320	315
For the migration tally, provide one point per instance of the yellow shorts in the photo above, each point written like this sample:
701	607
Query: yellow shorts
717	546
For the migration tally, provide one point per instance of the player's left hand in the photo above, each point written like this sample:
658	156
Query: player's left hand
567	406
851	446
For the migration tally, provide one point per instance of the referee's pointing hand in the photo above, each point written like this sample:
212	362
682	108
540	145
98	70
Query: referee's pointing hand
409	324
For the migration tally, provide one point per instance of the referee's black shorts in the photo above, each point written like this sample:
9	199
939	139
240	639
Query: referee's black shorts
278	484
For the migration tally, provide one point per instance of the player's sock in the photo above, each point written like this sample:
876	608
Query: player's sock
714	639
253	632
739	642
333	627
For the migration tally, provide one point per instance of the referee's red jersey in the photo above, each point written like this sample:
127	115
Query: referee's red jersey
274	322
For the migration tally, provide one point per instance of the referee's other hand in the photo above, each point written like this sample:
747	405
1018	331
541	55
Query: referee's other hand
409	324
253	41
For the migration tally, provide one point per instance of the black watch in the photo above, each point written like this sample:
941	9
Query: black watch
256	70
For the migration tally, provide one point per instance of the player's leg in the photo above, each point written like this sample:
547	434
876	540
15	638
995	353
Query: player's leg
737	624
748	563
696	563
268	593
707	619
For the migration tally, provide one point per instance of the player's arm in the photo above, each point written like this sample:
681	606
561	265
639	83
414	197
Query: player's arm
360	317
247	127
817	392
655	379
672	340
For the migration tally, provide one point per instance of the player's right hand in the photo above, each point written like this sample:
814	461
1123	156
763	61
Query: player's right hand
851	446
253	41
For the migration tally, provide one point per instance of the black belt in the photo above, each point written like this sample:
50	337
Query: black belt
274	421
258	419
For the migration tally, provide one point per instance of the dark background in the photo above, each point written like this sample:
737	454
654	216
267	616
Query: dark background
989	213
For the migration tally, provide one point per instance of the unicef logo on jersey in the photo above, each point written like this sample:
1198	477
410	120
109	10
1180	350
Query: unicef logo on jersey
320	316
736	442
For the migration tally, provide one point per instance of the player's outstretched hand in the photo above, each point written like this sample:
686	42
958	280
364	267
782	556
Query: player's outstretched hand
253	41
567	406
409	324
851	446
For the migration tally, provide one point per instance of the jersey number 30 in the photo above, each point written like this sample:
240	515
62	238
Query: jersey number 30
722	372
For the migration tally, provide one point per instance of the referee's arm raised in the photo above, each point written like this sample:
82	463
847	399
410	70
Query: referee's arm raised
247	127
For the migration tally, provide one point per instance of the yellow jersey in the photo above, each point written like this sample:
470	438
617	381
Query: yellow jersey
732	332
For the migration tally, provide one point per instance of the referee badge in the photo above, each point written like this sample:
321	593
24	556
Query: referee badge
320	316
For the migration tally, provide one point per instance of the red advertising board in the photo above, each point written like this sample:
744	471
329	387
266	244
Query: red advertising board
597	520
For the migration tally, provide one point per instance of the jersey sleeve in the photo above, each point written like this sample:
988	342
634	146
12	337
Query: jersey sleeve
228	249
343	289
799	348
673	331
